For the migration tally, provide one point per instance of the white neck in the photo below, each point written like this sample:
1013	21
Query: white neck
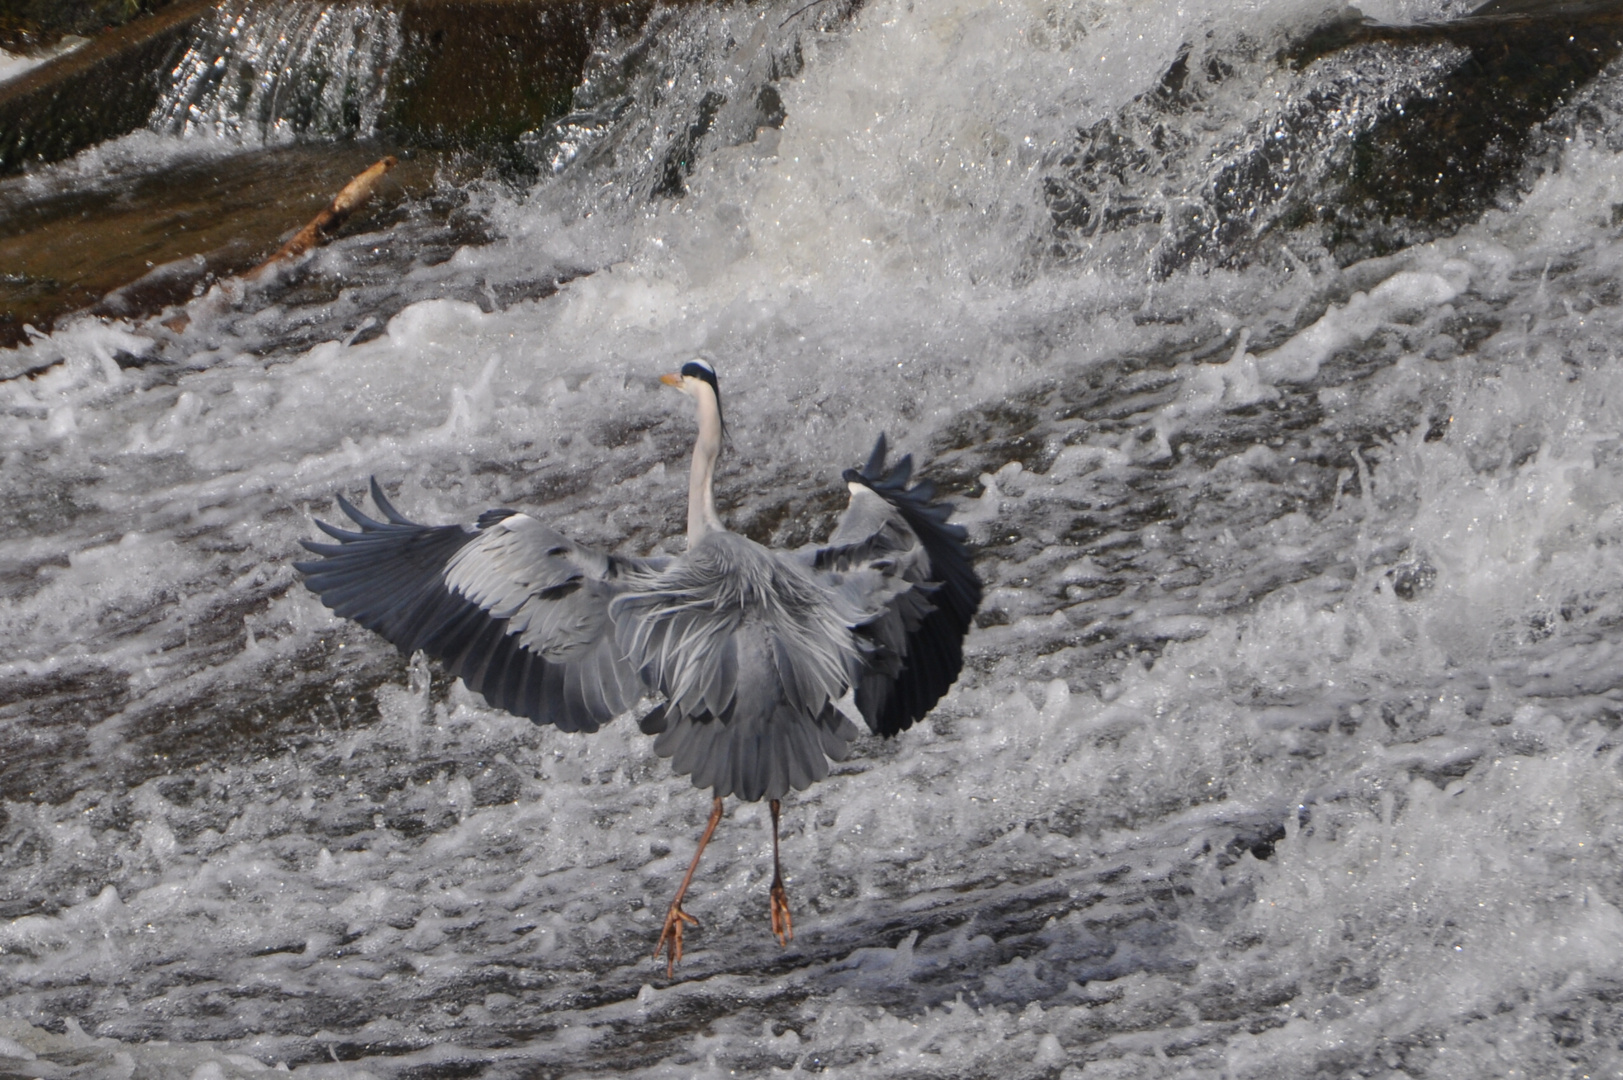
702	517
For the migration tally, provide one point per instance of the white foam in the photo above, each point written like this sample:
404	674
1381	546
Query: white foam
1440	765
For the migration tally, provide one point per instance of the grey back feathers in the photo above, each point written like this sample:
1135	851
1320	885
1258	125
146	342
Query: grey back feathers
752	650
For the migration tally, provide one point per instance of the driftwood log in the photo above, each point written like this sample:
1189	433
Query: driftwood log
324	224
319	229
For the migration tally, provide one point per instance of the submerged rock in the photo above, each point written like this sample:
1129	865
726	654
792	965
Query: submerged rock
1439	158
1389	135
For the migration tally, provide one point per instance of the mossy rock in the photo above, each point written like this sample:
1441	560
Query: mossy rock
28	25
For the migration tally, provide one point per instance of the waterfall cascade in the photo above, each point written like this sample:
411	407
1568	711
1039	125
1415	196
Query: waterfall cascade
260	70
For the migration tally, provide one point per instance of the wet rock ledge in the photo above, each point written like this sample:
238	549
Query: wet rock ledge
468	72
96	92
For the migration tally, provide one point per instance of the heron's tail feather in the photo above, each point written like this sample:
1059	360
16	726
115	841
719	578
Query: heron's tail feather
753	757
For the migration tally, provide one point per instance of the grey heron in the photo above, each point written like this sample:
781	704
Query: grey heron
760	658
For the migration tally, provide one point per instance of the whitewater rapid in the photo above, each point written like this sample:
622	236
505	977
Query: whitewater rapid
1285	745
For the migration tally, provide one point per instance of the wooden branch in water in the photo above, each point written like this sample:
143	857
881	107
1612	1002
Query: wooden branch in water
324	224
320	228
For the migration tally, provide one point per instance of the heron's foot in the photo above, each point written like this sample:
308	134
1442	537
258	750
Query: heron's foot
783	926
674	918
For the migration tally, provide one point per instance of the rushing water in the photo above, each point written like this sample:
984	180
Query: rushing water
257	72
1286	745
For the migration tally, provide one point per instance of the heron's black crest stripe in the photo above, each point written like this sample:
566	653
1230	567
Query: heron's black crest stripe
701	369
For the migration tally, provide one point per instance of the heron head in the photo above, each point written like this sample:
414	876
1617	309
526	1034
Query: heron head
695	376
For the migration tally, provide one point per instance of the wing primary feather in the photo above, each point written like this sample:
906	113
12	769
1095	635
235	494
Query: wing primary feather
336	533
902	473
387	507
876	460
354	514
512	679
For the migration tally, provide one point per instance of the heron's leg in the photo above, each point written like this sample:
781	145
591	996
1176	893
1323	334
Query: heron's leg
676	917
782	925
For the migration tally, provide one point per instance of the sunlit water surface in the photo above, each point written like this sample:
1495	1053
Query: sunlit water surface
1286	747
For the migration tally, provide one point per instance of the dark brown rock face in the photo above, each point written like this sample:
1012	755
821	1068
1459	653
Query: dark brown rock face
481	71
64	106
468	73
1444	156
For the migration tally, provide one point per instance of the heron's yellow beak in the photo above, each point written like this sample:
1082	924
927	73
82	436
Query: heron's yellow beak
671	380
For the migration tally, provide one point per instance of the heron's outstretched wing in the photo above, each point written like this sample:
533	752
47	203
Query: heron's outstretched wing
893	552
516	609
